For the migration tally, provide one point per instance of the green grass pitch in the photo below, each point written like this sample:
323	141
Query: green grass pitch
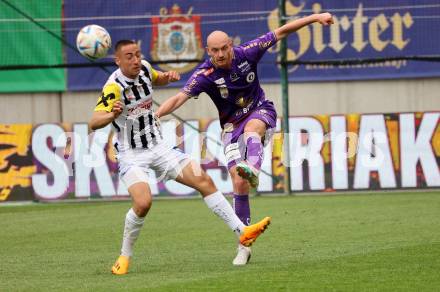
367	242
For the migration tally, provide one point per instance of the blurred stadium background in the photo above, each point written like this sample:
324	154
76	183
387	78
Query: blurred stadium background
363	101
374	72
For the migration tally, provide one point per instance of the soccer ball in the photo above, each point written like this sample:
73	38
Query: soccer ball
93	42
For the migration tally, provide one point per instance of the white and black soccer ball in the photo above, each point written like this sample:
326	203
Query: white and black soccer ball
93	41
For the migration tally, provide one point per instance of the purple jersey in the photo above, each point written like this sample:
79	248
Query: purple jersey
236	91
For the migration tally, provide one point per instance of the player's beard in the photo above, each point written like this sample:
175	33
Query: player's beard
223	63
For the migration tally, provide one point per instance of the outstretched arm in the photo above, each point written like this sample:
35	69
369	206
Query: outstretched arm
171	104
164	78
288	28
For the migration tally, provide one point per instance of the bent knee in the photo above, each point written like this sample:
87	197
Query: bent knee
206	185
207	181
240	185
141	208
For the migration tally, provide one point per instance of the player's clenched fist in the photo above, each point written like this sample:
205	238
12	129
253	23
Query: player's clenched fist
117	109
325	18
172	76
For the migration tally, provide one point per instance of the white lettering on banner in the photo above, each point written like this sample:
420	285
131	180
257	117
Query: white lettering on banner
415	148
213	133
192	147
169	136
55	164
122	189
265	178
377	27
339	152
418	160
169	131
346	28
90	155
373	153
306	141
192	140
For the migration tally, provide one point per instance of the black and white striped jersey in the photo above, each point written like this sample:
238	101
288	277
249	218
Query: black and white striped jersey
136	127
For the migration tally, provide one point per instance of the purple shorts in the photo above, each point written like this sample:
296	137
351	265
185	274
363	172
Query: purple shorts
233	138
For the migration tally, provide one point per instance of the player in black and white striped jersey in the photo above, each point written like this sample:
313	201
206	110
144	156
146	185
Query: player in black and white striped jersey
126	103
135	127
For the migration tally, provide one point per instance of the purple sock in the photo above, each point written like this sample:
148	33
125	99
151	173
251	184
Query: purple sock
254	151
241	208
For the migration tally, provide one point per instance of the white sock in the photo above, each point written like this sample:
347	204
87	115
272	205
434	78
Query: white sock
221	207
132	228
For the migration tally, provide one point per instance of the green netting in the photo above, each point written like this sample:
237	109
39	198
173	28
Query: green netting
22	42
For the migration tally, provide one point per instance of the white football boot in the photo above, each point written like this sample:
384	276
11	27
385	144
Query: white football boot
243	255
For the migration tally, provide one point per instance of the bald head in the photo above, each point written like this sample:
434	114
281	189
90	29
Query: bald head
219	48
216	38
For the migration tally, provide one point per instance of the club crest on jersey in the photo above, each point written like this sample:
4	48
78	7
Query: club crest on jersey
223	91
250	77
176	36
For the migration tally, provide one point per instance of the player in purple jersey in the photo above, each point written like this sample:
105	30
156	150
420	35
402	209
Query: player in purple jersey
230	79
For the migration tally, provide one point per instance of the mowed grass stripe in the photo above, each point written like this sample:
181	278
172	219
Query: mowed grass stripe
343	243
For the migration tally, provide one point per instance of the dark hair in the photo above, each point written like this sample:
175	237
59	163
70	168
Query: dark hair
122	43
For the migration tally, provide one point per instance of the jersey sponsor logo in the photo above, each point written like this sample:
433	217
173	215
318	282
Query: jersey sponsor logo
208	72
140	108
105	98
220	81
190	86
245	63
245	109
176	35
264	45
198	72
251	45
234	76
244	67
250	77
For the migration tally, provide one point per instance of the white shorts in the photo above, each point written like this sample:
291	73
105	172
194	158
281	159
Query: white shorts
165	160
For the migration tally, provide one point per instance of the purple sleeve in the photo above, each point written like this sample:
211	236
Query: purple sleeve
255	49
195	84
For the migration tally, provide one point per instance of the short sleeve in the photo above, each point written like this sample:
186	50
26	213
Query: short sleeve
196	83
111	93
153	73
255	49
